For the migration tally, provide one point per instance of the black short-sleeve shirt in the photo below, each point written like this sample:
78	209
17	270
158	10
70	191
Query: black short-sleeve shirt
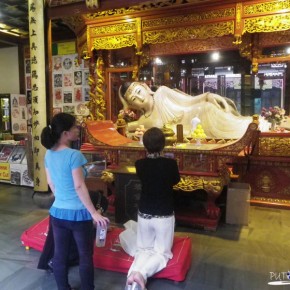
158	176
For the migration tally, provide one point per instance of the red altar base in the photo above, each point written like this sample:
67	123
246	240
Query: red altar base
196	219
193	209
269	180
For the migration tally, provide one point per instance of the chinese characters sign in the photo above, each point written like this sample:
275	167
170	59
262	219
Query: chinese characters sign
38	90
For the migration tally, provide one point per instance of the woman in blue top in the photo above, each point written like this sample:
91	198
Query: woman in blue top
72	211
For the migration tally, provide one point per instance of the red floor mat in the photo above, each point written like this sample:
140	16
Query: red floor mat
113	258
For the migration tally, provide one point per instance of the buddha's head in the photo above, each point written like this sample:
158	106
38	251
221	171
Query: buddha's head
136	95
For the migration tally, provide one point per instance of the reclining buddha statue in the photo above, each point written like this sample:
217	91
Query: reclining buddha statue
218	115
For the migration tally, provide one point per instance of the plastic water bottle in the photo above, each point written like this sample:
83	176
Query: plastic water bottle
101	235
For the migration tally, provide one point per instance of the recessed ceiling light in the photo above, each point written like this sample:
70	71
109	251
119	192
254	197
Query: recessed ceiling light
158	61
215	56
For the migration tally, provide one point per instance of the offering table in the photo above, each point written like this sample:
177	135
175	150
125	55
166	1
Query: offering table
202	167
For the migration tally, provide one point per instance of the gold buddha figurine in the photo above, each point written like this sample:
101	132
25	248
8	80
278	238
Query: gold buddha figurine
169	134
256	119
121	125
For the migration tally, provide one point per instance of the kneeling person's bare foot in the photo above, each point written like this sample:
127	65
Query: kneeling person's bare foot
138	277
130	278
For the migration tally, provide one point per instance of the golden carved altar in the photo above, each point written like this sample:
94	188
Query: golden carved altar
202	167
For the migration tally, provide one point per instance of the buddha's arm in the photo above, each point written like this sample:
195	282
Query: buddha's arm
147	122
132	126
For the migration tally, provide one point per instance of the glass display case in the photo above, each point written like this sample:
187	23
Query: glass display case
13	165
13	114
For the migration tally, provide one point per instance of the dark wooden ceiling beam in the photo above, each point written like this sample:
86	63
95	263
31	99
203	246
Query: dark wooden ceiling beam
11	40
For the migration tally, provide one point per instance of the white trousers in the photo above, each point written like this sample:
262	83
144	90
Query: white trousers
154	244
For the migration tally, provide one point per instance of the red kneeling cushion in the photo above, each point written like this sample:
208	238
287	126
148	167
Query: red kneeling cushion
113	258
35	236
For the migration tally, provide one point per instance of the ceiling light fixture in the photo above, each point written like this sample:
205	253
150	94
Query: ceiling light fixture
158	61
215	56
9	32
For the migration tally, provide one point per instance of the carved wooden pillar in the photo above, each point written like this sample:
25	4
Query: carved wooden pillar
38	90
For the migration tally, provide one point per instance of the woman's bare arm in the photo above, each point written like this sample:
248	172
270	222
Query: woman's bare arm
84	196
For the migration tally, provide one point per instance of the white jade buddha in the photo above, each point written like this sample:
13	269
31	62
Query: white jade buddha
218	115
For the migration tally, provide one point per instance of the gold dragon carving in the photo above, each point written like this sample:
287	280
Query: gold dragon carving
188	19
145	6
193	32
114	42
212	185
191	183
261	8
116	35
128	27
96	103
276	146
269	23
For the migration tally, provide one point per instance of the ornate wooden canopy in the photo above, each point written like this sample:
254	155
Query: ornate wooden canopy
166	27
186	26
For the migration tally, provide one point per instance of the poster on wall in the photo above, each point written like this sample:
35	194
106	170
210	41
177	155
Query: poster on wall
70	84
18	114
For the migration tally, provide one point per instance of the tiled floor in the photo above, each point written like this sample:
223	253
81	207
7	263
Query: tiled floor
232	258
